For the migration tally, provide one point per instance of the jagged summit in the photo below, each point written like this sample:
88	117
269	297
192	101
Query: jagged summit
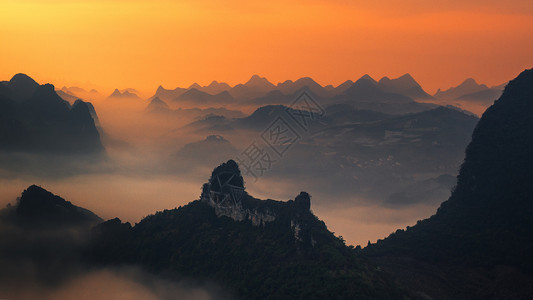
225	192
256	248
116	93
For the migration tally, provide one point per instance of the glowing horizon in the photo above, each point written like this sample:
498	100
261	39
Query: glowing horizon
138	44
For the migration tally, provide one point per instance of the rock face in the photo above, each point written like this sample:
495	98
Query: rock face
225	192
257	249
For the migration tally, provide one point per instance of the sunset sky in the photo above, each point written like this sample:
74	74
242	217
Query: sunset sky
142	44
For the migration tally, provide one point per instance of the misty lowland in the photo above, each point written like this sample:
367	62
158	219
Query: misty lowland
382	191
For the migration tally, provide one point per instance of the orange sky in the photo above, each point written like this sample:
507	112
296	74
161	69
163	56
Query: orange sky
141	44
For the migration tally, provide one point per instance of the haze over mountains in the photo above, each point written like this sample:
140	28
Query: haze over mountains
480	239
362	140
477	245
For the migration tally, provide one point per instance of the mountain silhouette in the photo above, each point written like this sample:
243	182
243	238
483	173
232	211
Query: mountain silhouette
157	106
42	236
20	88
213	150
125	94
216	87
45	123
257	249
38	207
289	87
405	85
480	240
469	86
487	96
256	86
168	95
367	94
195	96
341	88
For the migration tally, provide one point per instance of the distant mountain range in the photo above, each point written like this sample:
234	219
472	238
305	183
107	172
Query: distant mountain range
160	108
126	93
259	91
394	96
471	90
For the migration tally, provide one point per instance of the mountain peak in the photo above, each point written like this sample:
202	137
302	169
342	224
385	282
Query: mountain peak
468	86
257	81
39	206
22	79
160	89
195	86
229	171
116	93
367	77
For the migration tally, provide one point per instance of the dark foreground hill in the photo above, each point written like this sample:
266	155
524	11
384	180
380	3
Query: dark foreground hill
41	242
257	249
479	244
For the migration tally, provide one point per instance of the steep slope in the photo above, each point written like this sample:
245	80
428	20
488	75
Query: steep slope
259	249
45	123
485	229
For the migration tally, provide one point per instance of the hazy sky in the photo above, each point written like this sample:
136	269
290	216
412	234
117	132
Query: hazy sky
125	43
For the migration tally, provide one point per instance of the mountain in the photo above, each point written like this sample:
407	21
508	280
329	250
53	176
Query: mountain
216	87
66	96
289	87
479	244
125	94
41	240
469	86
341	88
213	150
20	88
367	89
485	96
367	94
256	86
168	95
404	85
45	123
257	249
41	209
79	93
157	106
197	97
